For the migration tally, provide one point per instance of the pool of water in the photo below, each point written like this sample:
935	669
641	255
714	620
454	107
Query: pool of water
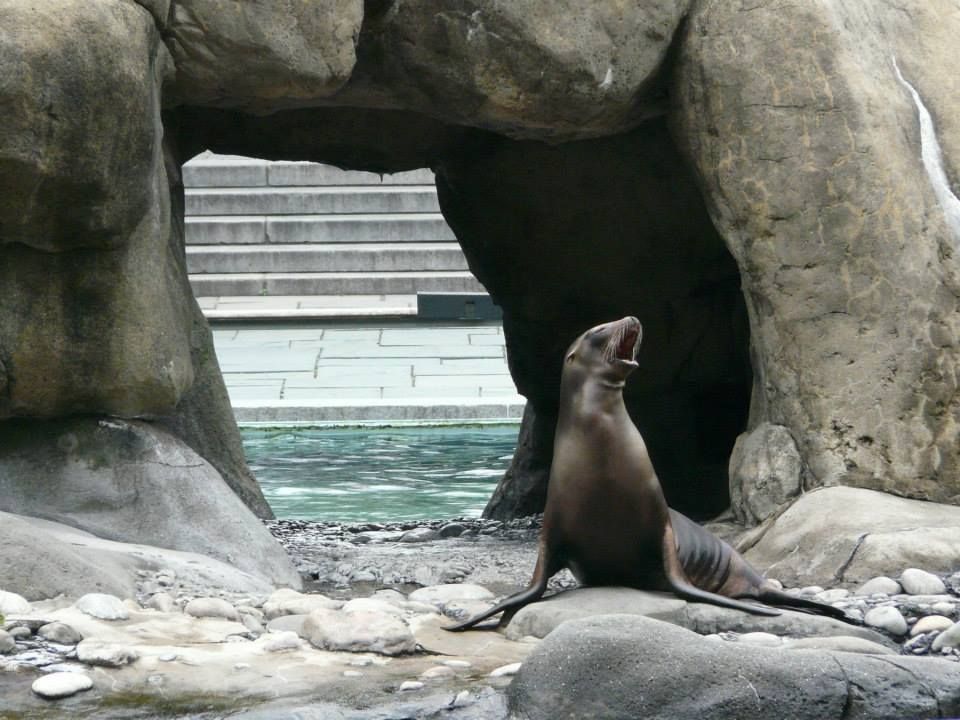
379	475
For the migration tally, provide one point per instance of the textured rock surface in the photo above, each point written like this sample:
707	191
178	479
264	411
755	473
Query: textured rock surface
661	671
810	155
132	482
852	535
542	618
765	472
527	68
262	56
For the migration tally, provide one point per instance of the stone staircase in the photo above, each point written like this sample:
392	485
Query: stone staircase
286	239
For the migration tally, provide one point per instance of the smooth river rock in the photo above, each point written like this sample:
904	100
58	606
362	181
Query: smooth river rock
61	684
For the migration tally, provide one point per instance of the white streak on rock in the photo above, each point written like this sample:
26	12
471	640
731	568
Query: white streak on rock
932	157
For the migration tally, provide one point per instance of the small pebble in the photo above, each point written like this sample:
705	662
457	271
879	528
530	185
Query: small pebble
930	623
887	618
211	608
460	664
7	643
463	699
61	633
352	673
168	657
505	670
241	666
410	685
763	639
832	596
920	582
13	604
61	685
879	585
102	606
437	672
162	602
949	638
811	590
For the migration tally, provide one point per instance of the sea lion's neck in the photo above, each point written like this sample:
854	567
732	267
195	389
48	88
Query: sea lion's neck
595	396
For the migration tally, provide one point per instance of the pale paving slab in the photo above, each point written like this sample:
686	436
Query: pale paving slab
368	373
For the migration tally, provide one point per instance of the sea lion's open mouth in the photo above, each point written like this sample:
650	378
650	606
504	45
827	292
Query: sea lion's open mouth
625	341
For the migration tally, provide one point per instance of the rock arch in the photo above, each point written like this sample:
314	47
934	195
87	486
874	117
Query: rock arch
592	162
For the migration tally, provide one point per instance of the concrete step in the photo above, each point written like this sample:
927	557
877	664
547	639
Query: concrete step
376	257
308	307
284	230
309	200
209	170
333	283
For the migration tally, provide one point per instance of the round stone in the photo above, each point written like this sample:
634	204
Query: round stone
921	582
93	652
440	671
59	632
7	643
949	638
879	585
764	639
440	595
410	685
505	670
211	608
930	623
886	618
13	604
102	606
61	685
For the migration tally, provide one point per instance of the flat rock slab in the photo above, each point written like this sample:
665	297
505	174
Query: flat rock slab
540	619
622	666
61	684
848	535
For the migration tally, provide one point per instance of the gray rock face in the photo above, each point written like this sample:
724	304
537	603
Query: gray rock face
132	482
765	472
527	68
851	535
542	618
629	667
849	328
262	56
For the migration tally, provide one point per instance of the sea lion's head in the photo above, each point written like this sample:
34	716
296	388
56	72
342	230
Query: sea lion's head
608	350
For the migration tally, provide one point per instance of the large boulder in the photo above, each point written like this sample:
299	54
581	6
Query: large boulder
529	68
81	133
541	618
849	535
262	56
95	311
823	181
618	666
132	482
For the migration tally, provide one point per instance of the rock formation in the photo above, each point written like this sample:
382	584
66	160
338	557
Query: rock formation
769	188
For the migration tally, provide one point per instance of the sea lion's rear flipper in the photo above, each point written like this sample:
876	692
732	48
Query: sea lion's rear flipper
548	565
772	596
682	587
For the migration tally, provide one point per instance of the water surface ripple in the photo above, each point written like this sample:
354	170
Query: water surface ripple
379	475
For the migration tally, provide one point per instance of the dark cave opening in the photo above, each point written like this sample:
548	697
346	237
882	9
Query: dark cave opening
564	237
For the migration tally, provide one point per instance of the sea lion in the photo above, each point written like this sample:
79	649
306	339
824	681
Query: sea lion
606	518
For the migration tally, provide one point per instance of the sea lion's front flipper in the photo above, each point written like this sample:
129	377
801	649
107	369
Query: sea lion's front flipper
682	587
548	565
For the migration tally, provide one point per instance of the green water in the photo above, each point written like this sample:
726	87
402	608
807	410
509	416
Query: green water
379	475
